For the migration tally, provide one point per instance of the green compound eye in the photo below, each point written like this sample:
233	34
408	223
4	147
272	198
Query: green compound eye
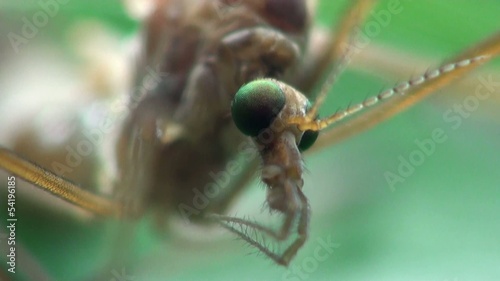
308	139
255	106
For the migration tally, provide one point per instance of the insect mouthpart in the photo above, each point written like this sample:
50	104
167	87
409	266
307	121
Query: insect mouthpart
263	110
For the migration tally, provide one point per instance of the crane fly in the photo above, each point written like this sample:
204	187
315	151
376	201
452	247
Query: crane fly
239	77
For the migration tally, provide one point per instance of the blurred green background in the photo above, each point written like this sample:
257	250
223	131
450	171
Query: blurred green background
441	224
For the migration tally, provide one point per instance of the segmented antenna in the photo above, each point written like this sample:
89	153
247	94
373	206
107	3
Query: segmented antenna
399	90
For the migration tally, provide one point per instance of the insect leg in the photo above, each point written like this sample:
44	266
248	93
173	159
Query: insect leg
328	46
137	151
56	185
